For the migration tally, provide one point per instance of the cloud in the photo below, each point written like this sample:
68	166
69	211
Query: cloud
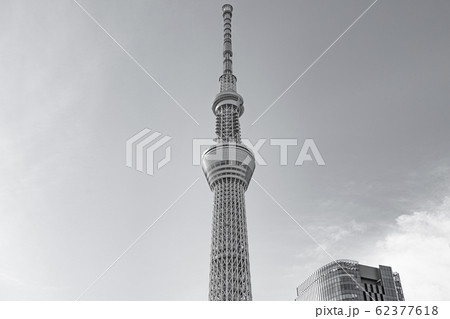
418	248
328	235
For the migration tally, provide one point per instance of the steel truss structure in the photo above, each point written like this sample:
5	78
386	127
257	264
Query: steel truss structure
228	167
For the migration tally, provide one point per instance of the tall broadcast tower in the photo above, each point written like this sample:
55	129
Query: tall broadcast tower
228	167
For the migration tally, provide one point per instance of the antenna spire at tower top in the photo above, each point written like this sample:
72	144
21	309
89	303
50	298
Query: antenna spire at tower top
227	80
227	50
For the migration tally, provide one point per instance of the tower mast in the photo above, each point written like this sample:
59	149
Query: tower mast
228	167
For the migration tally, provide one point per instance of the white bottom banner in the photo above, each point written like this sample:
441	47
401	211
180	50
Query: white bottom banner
193	309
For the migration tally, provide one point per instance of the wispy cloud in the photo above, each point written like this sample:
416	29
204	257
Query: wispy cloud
418	248
331	234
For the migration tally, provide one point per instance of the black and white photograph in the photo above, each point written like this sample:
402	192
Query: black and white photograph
292	150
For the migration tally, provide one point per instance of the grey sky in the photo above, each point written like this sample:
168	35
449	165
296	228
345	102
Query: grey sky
376	105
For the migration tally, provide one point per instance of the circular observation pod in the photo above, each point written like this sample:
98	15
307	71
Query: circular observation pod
229	97
228	161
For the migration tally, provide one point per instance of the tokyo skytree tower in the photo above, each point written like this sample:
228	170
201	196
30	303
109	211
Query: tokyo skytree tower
228	166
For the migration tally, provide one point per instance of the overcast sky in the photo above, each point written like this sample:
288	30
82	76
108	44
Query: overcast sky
376	104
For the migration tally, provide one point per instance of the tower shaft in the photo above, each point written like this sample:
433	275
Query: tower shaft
228	167
230	268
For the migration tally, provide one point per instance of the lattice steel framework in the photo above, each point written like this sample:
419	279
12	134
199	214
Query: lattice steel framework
228	167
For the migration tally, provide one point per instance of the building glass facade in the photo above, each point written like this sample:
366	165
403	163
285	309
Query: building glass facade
347	280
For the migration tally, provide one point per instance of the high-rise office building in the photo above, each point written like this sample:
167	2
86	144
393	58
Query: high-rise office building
228	167
347	280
